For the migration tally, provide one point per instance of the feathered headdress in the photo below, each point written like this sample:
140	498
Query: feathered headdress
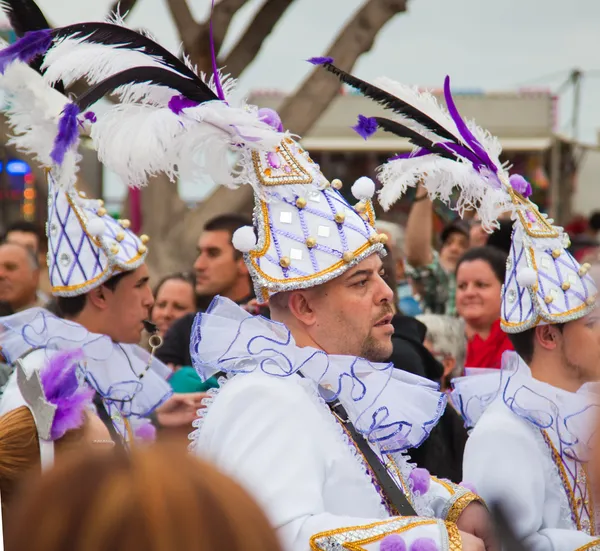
544	283
170	120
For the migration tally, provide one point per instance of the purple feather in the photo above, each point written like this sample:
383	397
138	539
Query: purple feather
213	56
462	127
418	153
271	117
146	432
420	479
61	387
423	544
31	45
90	116
520	185
320	60
393	542
68	132
365	127
178	103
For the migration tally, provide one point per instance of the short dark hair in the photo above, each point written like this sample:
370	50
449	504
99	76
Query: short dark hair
29	227
229	223
523	342
458	226
501	237
495	258
69	307
594	220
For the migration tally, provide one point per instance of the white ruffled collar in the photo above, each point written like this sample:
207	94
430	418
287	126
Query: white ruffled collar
393	409
112	369
567	417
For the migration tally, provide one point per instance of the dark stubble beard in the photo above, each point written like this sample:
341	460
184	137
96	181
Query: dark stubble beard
376	350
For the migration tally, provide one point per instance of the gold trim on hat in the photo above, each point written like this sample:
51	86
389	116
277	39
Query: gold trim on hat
297	175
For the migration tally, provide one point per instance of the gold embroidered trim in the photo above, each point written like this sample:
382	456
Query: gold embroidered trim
460	505
359	544
590	546
454	539
297	176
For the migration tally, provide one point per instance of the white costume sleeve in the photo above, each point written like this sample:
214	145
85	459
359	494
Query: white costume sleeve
449	500
270	435
505	465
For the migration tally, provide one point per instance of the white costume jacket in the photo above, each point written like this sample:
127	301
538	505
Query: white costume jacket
271	429
527	451
131	382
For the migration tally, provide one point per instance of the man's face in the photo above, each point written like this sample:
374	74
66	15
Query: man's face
454	247
218	269
128	305
354	312
18	276
580	347
28	240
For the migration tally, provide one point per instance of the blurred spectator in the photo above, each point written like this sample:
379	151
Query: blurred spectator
479	279
433	272
155	499
405	298
174	297
583	233
501	237
445	339
19	277
478	237
219	270
33	237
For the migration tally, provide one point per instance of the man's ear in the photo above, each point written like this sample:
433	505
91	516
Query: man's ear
97	297
448	362
547	336
301	305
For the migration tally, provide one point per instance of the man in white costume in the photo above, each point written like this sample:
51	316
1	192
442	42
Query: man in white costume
329	476
97	271
528	450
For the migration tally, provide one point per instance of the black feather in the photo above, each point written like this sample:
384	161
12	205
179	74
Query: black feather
139	75
24	16
390	101
127	39
414	137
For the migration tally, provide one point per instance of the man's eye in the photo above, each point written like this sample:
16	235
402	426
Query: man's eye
361	283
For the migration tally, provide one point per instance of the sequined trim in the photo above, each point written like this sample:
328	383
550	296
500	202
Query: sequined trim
592	546
458	503
454	539
354	538
577	505
301	176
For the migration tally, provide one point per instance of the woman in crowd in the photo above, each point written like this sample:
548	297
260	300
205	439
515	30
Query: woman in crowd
479	278
174	296
155	499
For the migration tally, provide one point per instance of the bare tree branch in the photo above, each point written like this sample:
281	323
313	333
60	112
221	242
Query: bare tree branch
248	46
222	16
187	27
122	7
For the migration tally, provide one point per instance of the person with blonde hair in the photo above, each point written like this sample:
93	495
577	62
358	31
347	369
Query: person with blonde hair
154	499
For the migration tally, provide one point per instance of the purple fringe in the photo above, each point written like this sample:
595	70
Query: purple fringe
178	103
393	542
68	132
271	117
320	60
27	48
520	185
61	387
365	127
466	134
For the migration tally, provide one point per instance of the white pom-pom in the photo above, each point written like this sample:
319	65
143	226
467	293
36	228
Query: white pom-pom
244	239
96	227
363	188
526	277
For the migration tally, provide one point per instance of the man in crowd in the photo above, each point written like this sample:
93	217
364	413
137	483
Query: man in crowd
433	272
19	277
219	270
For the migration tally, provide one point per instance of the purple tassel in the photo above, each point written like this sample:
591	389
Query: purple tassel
393	542
320	60
90	116
468	486
520	185
423	544
466	134
68	132
61	387
271	117
146	432
420	479
365	127
178	103
27	48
